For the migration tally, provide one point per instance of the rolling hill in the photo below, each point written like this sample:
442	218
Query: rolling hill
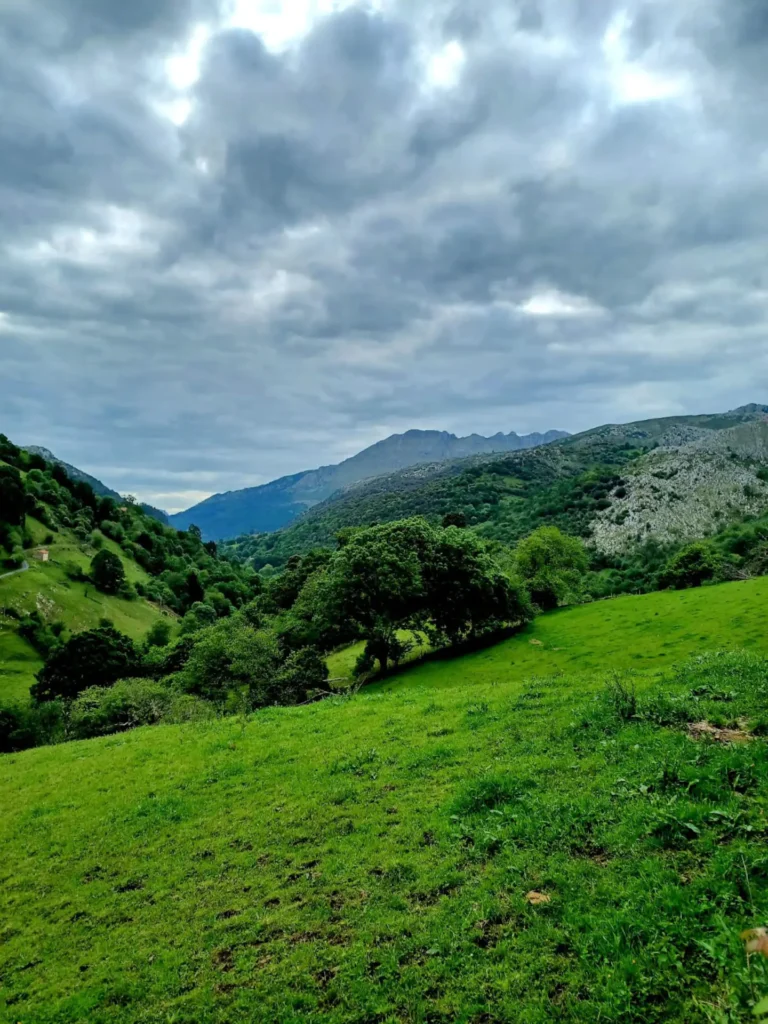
273	505
670	479
517	834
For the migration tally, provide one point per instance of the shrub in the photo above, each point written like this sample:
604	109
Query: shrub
695	564
553	566
99	710
42	636
198	617
73	572
24	725
304	671
159	634
230	656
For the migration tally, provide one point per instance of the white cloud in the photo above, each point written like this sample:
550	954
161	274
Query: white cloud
117	232
633	81
553	303
444	67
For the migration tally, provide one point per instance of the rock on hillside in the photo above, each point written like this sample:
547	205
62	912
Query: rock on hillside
682	491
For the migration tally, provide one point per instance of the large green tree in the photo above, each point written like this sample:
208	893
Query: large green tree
467	592
97	657
107	572
553	567
376	581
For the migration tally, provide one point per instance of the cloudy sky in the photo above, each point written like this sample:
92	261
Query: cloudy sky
242	238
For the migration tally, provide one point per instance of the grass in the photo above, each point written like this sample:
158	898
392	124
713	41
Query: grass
370	859
646	632
46	587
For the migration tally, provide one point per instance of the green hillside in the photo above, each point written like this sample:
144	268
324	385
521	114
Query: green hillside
45	587
111	566
487	839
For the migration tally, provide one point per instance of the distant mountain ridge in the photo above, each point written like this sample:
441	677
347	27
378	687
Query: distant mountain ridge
271	506
669	480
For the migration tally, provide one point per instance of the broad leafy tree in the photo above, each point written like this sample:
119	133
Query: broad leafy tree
467	593
553	567
97	657
107	572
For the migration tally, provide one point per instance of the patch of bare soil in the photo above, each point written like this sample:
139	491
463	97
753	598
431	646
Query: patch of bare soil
705	730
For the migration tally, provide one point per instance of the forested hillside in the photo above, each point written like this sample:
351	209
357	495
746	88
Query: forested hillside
72	561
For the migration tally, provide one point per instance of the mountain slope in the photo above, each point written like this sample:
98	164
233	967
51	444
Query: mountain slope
579	483
273	505
74	473
46	588
98	487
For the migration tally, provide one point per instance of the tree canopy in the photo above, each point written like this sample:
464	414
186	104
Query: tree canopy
96	657
107	572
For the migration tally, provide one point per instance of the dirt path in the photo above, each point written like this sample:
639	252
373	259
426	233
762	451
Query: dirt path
24	567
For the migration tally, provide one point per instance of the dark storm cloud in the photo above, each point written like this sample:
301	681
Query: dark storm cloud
223	267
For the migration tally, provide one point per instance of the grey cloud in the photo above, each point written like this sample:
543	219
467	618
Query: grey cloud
330	248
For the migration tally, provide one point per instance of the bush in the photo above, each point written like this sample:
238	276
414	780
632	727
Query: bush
42	636
230	656
198	617
304	671
553	566
695	564
100	710
73	572
29	725
159	634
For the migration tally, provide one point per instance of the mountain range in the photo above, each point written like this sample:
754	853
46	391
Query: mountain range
272	506
668	480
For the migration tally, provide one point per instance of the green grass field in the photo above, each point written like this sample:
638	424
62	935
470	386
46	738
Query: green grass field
645	632
80	606
371	859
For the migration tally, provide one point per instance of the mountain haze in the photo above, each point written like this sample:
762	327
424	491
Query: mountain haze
270	506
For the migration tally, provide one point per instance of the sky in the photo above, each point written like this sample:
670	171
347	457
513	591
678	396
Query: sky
242	238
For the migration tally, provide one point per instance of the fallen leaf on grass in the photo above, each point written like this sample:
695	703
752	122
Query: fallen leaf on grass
537	898
756	940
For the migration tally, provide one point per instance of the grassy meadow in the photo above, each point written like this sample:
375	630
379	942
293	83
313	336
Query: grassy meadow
490	839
